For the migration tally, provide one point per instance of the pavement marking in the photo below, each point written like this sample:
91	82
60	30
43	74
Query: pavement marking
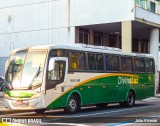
118	124
66	124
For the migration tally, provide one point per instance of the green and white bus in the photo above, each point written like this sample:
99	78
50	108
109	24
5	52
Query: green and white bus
71	76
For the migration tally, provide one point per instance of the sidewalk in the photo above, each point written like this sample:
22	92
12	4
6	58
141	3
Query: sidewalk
158	95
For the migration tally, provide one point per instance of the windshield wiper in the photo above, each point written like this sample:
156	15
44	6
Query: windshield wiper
35	76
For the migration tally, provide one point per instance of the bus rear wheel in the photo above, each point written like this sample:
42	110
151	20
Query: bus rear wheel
130	100
72	106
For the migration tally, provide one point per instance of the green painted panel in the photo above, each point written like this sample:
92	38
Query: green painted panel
110	88
20	94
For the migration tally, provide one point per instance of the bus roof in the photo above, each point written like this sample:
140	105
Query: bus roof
98	49
88	48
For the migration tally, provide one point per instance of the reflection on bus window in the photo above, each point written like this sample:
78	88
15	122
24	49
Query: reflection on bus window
100	62
139	65
112	63
77	61
57	73
149	65
126	64
91	61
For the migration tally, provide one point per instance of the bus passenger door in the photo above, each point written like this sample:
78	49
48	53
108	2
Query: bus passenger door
55	80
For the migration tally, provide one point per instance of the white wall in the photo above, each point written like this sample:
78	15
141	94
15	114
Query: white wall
32	22
86	12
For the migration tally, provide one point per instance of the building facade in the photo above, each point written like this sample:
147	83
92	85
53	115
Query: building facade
132	25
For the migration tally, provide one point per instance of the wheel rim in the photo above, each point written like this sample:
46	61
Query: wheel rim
72	104
130	99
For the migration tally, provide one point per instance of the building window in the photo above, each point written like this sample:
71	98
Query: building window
150	5
140	46
144	47
153	7
112	40
98	38
135	46
83	36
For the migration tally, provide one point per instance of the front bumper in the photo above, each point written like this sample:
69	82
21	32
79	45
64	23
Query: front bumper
27	104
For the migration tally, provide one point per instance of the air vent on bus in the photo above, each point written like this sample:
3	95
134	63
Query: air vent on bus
101	47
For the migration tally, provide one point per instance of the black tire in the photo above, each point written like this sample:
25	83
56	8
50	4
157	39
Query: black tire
73	105
40	111
101	105
130	100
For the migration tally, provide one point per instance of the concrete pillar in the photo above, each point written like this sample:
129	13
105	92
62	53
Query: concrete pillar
127	36
154	50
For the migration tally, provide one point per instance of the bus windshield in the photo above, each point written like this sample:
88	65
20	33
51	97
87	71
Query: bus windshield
25	69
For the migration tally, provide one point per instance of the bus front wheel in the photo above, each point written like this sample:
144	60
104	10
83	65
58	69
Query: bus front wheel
72	106
130	100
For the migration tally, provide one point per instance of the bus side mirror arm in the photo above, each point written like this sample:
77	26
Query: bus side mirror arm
51	64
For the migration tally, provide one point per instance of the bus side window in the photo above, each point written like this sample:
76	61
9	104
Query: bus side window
139	65
115	61
91	61
142	65
149	65
123	64
58	72
112	63
129	64
100	62
77	61
108	65
74	61
82	61
126	64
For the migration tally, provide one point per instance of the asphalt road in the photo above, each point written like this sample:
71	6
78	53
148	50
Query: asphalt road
144	113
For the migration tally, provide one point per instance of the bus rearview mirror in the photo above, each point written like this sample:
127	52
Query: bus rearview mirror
51	64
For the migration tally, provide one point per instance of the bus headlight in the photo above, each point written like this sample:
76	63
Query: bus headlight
37	95
6	96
